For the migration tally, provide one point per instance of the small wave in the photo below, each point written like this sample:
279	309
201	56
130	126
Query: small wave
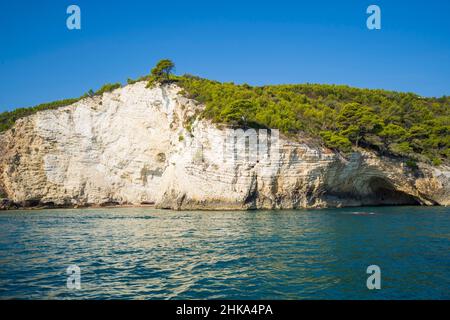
362	213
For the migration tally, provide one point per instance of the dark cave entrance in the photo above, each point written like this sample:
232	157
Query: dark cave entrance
384	193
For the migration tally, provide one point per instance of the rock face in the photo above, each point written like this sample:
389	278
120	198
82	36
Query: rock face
137	145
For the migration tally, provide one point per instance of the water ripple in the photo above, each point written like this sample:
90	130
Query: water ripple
141	253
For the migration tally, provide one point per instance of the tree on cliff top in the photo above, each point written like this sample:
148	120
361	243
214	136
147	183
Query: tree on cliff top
161	72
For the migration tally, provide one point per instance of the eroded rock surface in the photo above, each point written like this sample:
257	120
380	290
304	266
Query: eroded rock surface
137	145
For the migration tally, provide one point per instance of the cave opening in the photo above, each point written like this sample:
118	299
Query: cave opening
384	193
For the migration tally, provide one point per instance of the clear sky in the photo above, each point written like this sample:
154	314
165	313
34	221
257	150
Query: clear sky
257	42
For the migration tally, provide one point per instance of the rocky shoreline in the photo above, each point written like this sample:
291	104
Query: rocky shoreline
6	205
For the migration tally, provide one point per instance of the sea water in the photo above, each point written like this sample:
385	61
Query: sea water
143	253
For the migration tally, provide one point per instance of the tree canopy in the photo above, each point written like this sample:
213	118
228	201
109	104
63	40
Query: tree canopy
161	72
342	117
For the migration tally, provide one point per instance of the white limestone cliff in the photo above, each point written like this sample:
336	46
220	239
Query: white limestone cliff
137	145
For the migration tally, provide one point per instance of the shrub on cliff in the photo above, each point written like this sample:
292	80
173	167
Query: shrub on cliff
108	88
161	72
8	118
336	141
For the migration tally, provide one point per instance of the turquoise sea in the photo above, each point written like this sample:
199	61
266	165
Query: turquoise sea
142	253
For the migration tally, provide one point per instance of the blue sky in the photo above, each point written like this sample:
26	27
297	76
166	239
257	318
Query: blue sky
257	42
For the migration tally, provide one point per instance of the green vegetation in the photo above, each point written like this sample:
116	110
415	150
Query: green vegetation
412	164
8	118
340	117
143	78
391	123
108	88
161	72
